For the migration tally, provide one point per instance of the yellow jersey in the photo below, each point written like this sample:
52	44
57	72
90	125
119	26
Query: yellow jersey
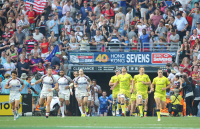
124	81
114	79
141	88
160	83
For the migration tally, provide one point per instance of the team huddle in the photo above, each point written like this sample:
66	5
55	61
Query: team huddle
127	92
131	92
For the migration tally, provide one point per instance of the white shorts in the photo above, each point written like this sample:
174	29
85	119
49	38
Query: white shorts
76	94
82	95
64	96
45	95
14	96
44	55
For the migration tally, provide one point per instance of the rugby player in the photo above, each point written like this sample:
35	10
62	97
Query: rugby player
83	83
124	80
64	83
48	81
161	83
14	85
96	90
142	80
115	92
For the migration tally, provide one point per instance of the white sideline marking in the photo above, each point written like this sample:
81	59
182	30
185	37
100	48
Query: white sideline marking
125	127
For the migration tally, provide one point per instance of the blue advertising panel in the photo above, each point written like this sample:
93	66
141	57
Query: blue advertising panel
120	58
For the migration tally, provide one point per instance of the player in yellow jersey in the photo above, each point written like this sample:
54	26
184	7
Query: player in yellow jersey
124	81
133	99
161	83
115	92
142	80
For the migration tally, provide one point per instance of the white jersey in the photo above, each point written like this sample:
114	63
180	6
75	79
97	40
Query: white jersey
16	84
47	82
96	89
83	83
62	83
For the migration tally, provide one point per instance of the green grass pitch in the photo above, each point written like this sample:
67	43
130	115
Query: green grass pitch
99	123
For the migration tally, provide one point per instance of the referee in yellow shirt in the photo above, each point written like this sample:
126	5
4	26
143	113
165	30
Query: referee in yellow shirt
161	83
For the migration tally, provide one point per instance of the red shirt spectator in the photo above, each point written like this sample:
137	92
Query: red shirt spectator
31	15
6	34
40	69
186	66
108	12
193	38
194	74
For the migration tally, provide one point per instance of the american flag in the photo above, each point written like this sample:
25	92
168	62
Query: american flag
38	5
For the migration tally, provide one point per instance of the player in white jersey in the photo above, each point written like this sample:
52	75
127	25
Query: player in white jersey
48	81
96	90
15	85
83	84
64	84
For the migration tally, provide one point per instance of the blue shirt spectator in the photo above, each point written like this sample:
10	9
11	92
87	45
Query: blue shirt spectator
144	38
67	17
3	83
36	87
54	25
84	10
26	87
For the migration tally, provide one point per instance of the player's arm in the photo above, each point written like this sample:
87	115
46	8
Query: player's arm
37	82
148	81
7	86
132	86
111	83
152	85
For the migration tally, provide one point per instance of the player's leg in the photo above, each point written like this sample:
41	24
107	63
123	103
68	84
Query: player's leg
17	102
62	106
13	109
79	104
41	101
140	104
96	103
158	106
101	112
105	113
67	102
133	106
145	97
118	103
49	98
122	99
84	104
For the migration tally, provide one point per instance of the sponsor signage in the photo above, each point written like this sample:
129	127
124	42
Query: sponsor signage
120	58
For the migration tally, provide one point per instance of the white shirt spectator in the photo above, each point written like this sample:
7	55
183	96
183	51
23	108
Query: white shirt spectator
65	9
10	66
180	23
171	76
79	36
38	37
198	31
140	28
23	23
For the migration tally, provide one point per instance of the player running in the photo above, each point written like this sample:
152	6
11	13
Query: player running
64	83
161	83
48	81
142	81
14	85
124	80
115	92
82	82
103	102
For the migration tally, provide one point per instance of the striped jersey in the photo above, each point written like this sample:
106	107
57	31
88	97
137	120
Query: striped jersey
16	84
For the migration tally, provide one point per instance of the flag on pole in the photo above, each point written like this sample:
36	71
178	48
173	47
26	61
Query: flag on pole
38	5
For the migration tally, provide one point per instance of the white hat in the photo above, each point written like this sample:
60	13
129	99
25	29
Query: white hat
12	44
24	76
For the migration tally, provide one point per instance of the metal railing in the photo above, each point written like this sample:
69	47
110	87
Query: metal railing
120	47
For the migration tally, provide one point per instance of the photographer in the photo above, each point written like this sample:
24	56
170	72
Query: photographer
188	94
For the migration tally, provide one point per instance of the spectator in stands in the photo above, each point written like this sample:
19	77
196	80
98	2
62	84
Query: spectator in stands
174	39
24	24
4	46
22	67
181	25
3	83
56	59
3	57
85	10
30	43
9	66
65	18
180	72
198	28
19	37
2	71
131	33
188	94
32	16
140	25
144	38
195	14
97	9
37	35
143	6
186	65
170	75
156	18
12	52
42	25
109	13
105	33
196	98
161	30
35	49
35	62
52	39
67	7
193	38
54	26
185	50
73	44
6	34
78	5
11	26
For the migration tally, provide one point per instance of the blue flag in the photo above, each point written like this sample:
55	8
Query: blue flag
52	54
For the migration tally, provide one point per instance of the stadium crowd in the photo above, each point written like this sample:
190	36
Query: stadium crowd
29	39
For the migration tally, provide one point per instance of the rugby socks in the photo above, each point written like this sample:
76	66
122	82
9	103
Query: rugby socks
80	109
141	109
47	114
145	113
158	113
123	108
113	107
62	110
118	106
